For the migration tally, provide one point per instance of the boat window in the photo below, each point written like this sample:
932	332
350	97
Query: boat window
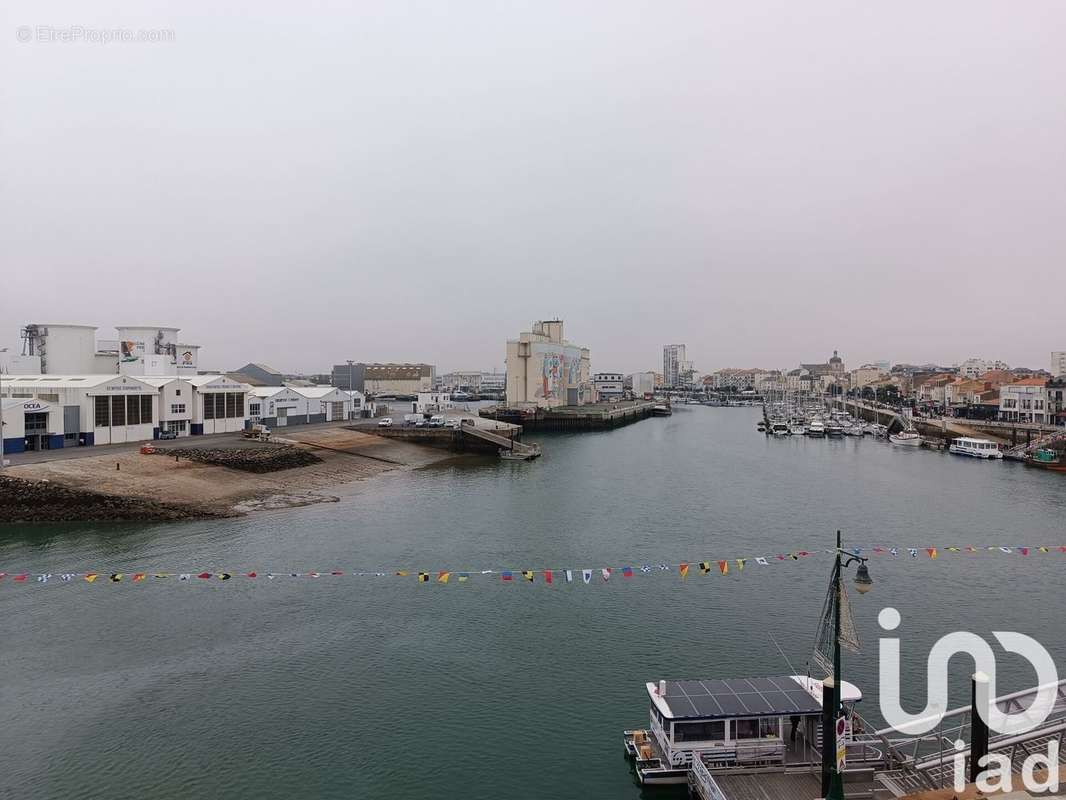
761	728
713	731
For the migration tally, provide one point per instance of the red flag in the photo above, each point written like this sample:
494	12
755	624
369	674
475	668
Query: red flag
1024	551
21	577
250	574
204	575
547	576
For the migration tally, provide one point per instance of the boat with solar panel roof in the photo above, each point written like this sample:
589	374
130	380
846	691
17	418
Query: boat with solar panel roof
733	725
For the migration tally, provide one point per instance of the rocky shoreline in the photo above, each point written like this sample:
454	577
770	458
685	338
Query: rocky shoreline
44	501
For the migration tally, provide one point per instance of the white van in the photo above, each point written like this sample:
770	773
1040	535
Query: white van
436	421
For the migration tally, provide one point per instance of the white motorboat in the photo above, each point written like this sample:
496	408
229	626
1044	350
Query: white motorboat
906	439
834	428
797	429
778	427
816	428
978	448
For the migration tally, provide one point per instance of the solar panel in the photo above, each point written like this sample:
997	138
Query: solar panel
739	697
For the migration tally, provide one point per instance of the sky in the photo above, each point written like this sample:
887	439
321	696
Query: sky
300	184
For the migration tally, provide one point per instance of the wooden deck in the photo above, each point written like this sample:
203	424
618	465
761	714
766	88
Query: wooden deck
771	786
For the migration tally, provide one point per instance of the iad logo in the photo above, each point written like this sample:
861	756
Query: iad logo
996	719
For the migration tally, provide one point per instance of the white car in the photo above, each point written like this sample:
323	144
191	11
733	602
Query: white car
386	422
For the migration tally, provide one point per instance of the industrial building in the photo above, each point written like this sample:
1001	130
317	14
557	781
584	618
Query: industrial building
68	389
384	379
60	349
282	406
608	385
42	412
473	382
545	370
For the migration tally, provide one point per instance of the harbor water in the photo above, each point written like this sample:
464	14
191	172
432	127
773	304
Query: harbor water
381	687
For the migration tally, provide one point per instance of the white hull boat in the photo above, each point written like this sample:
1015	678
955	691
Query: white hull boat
906	439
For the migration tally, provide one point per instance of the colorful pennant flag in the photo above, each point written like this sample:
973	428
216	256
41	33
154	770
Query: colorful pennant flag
423	577
506	575
932	552
606	573
528	575
443	576
705	567
627	572
723	567
547	576
586	575
682	570
569	576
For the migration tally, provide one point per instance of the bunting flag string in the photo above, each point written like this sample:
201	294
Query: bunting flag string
547	575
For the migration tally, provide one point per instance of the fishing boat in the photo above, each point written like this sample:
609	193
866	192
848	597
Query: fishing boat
977	448
734	725
906	439
1047	458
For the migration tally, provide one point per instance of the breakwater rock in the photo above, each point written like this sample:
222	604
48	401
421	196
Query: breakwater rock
261	459
44	501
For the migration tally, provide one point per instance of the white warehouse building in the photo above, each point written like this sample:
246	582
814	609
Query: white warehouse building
281	406
52	411
77	410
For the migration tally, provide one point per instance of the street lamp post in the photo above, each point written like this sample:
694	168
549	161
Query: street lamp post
832	779
2	350
351	389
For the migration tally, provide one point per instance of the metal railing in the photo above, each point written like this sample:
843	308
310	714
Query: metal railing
927	761
702	782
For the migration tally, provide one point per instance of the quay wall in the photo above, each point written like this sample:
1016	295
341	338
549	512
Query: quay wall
574	418
451	439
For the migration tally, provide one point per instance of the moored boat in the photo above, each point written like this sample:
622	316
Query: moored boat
906	438
731	725
1047	458
977	448
816	428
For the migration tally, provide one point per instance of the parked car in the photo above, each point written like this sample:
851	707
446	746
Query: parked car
436	421
451	423
168	434
385	422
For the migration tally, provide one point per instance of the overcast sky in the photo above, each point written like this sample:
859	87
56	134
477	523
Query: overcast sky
301	183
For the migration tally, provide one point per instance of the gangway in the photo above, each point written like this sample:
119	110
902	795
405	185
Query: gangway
503	442
919	763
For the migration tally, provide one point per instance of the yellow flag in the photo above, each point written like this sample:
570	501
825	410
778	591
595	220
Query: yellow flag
442	577
91	577
740	564
423	577
682	570
402	573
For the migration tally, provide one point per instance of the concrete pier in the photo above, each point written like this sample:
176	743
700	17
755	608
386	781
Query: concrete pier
593	417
